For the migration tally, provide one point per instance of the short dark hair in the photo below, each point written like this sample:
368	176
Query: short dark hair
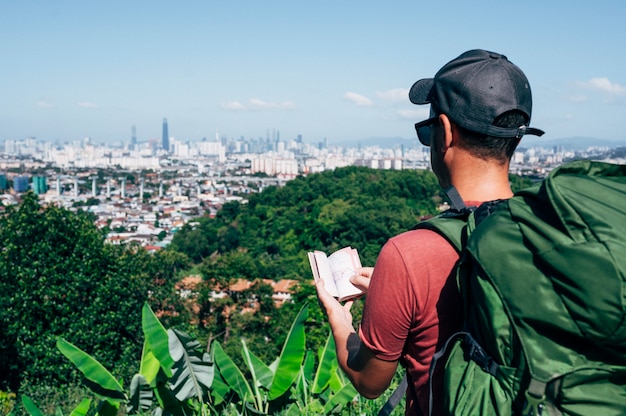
494	148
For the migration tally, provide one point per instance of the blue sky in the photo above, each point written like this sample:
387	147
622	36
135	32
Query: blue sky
325	69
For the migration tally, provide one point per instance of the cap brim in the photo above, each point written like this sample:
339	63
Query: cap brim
420	91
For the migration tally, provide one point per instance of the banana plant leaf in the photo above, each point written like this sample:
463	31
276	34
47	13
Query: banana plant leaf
150	366
252	364
82	408
230	373
106	408
291	357
157	339
169	404
219	388
326	367
31	408
141	395
98	379
251	410
339	399
337	380
301	389
261	373
293	410
193	371
309	366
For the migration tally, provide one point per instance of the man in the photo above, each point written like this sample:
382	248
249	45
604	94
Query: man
480	107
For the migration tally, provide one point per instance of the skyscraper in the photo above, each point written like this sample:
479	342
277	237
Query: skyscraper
133	138
20	183
166	136
39	185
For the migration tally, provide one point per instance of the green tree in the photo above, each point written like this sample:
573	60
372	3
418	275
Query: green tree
197	239
59	277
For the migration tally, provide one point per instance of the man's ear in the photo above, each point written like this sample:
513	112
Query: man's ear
447	128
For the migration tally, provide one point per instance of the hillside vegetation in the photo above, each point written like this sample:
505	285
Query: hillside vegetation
59	279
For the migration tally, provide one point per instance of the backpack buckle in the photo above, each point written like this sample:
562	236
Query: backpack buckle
533	405
535	397
478	354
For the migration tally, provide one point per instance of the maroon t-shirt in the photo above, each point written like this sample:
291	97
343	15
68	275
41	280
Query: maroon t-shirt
412	307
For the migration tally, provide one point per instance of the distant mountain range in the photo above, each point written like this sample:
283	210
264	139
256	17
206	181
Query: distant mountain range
570	143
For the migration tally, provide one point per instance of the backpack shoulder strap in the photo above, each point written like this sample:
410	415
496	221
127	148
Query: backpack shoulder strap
449	224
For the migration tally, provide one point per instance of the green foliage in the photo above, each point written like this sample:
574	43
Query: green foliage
519	182
58	277
80	410
192	372
199	383
268	237
357	206
7	401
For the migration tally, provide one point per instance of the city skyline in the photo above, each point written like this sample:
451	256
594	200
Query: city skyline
326	71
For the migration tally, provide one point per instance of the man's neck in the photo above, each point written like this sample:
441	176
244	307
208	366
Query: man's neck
482	181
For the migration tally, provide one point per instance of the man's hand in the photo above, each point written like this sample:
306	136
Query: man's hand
338	315
369	375
362	278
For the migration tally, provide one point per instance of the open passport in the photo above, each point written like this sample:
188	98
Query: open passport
335	270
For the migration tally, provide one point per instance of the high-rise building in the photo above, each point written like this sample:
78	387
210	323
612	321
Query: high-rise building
39	185
166	136
133	138
20	183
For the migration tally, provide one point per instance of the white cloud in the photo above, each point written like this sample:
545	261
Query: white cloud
358	99
85	104
44	104
400	95
606	86
233	105
257	104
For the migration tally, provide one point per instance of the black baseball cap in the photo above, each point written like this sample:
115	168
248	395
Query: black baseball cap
474	89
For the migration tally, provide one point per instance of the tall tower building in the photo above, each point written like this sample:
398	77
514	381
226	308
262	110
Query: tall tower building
166	136
133	138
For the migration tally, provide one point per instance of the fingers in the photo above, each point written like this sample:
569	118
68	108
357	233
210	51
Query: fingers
366	271
323	296
362	279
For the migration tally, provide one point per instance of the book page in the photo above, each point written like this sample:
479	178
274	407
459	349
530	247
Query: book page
321	270
344	264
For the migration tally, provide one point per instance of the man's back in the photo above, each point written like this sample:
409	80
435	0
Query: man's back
412	307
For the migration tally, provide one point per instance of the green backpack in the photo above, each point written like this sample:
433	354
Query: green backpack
543	281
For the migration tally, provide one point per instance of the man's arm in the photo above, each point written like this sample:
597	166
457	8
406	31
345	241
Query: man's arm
369	375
